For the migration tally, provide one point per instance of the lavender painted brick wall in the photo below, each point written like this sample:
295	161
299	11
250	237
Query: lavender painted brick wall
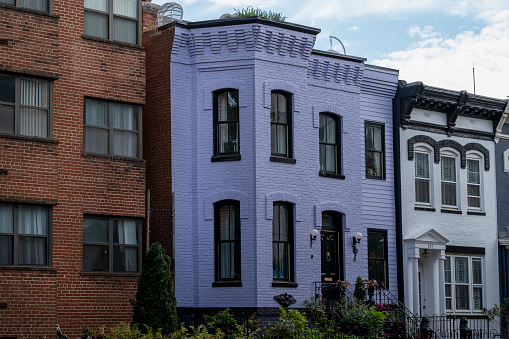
255	59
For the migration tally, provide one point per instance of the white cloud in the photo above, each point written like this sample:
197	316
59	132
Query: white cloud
424	33
448	63
354	28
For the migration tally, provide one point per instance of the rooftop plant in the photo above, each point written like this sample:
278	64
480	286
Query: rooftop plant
251	11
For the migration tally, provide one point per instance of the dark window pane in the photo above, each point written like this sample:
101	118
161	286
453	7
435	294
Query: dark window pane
95	230
96	140
96	24
448	193
6	119
7	89
125	259
32	251
422	190
10	2
462	298
233	106
95	258
6	249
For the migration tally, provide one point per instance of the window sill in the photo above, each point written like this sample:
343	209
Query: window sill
476	213
111	274
27	138
29	268
283	160
111	157
423	208
118	43
28	10
227	284
451	211
284	284
331	175
375	178
225	157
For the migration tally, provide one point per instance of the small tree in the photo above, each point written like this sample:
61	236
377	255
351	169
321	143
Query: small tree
360	290
155	305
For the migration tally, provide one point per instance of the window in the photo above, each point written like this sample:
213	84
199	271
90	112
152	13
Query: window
377	256
25	106
329	134
448	167
282	242
375	160
227	224
112	128
115	20
463	283
422	178
280	124
25	235
38	5
474	184
110	244
226	123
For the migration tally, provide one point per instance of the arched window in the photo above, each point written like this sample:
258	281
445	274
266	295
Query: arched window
227	239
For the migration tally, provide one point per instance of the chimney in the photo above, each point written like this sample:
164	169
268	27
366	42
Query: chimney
149	15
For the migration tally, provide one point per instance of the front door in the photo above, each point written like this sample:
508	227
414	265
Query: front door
331	247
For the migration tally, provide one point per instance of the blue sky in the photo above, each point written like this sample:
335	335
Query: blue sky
437	42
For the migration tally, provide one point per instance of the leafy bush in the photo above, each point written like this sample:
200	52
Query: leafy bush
360	290
291	324
251	11
357	317
155	305
224	321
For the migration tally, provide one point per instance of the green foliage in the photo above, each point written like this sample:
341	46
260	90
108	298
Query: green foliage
360	290
291	324
251	11
199	332
124	331
155	305
224	321
357	315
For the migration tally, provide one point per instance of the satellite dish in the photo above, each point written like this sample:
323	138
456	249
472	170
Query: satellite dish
334	51
169	12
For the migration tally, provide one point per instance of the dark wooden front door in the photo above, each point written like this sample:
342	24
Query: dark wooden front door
331	247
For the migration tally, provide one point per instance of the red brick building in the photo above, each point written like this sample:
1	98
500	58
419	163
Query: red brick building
72	169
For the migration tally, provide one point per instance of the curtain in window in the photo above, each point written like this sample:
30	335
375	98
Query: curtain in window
99	5
125	258
39	5
125	30
126	8
6	241
473	183
229	234
422	190
96	139
281	243
279	128
125	143
33	121
125	117
448	181
32	222
461	270
96	24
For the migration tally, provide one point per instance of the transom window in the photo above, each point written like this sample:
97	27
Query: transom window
38	5
115	20
474	183
112	128
226	116
449	190
329	143
282	242
280	124
25	235
422	178
227	220
110	244
463	283
375	159
25	106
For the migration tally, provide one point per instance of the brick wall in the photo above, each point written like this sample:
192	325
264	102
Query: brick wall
57	172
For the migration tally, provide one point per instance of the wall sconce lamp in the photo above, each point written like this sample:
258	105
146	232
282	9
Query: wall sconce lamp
312	237
356	239
425	254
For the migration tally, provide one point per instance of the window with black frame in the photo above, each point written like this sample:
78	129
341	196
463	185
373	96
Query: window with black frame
375	150
115	20
329	136
110	244
25	235
282	242
227	229
377	256
25	106
37	5
112	128
280	125
226	125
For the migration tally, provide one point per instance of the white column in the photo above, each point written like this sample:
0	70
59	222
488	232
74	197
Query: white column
415	285
441	282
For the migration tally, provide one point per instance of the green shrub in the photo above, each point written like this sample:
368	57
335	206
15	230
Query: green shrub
357	317
291	324
360	290
224	321
251	11
155	305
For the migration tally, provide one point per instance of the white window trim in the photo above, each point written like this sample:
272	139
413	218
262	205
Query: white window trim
424	148
448	153
470	285
478	157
